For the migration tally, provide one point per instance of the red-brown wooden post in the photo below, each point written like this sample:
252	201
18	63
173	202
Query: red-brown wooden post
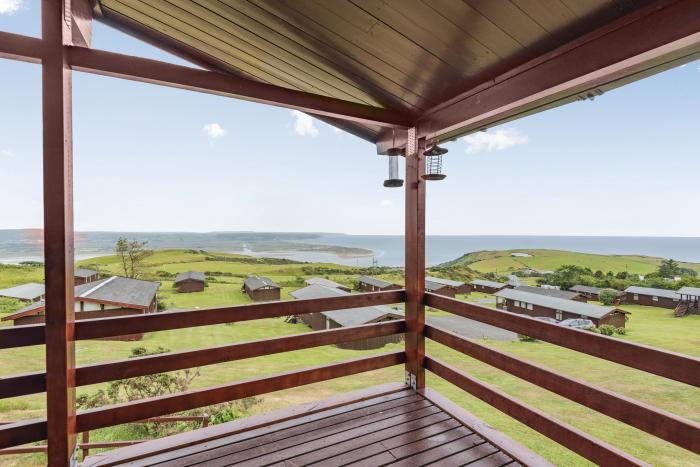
58	234
415	260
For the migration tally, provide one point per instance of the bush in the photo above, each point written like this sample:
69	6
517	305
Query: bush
606	329
608	296
524	338
621	331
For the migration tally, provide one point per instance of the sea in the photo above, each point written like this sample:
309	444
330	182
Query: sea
383	250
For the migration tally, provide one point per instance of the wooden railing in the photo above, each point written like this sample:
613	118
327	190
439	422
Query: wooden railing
28	431
657	422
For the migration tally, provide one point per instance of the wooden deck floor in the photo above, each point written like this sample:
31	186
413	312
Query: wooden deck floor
389	425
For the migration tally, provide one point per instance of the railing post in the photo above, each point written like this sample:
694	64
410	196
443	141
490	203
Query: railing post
58	233
415	260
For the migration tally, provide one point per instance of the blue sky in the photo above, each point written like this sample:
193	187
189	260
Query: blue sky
150	158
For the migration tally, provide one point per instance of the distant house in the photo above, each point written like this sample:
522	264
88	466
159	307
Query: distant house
113	296
84	276
326	283
563	294
592	293
459	287
30	292
689	302
261	289
374	284
536	305
480	285
439	288
347	317
652	297
190	281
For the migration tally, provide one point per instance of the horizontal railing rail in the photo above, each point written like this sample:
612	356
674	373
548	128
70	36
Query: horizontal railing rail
21	336
587	446
33	383
35	430
657	422
672	365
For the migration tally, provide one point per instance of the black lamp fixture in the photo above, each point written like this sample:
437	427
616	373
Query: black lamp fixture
433	163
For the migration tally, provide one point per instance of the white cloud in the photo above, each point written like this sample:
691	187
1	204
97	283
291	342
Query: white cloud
7	7
6	152
213	130
304	124
497	140
386	203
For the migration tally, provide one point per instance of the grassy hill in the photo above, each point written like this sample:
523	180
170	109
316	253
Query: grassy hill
503	261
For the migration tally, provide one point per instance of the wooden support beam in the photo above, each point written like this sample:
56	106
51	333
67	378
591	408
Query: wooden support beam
593	449
21	336
58	235
18	47
415	260
657	422
166	74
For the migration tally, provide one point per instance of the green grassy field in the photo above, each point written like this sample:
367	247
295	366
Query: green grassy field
651	326
548	260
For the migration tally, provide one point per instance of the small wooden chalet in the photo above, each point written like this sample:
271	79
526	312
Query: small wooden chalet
348	317
563	294
84	276
537	305
649	296
190	281
439	288
689	301
593	293
485	286
459	287
105	298
30	292
374	284
326	283
261	289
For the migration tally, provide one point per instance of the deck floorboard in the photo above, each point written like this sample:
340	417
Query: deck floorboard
398	428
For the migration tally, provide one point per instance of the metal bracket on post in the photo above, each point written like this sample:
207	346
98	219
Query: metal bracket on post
410	380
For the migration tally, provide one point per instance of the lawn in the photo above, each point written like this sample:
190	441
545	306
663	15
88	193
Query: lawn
647	325
548	260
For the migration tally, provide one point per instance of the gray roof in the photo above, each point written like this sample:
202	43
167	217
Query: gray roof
548	292
347	317
259	282
486	283
190	276
118	290
447	282
431	286
375	281
325	282
30	291
83	272
569	306
652	291
586	289
694	291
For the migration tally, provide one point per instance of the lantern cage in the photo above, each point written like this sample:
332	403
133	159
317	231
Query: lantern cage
394	180
433	163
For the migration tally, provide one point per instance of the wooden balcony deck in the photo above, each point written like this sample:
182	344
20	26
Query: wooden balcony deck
385	425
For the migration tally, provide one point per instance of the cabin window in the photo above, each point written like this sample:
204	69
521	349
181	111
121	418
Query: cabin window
654	298
636	296
529	306
558	315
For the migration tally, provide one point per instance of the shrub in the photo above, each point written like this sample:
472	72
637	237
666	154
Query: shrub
524	338
606	329
621	331
608	296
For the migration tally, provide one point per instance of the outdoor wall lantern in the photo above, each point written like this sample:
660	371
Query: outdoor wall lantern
433	163
394	181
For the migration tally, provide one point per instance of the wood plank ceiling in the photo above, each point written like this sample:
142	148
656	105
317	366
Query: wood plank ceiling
407	55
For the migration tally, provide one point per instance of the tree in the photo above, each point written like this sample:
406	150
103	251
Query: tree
607	296
669	268
599	274
132	253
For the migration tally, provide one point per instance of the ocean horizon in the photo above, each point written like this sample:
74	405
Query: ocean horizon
386	250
